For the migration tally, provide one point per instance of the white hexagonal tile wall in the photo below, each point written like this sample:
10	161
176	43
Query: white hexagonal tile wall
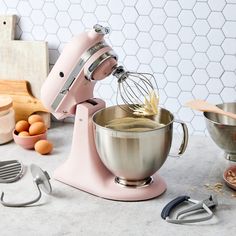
172	58
89	20
228	29
172	8
144	56
198	123
229	79
35	4
186	51
24	8
158	65
229	46
217	5
115	7
26	24
39	32
75	11
130	31
201	27
3	7
158	49
116	22
117	38
229	12
228	94
186	114
130	14
216	19
37	17
214	69
50	10
63	5
63	19
186	34
186	83
184	97
187	4
84	4
158	16
172	74
201	10
172	25
158	32
200	60
186	18
11	4
172	89
51	26
201	44
189	45
172	42
214	85
229	62
144	39
144	23
143	10
186	67
214	99
215	53
200	92
130	47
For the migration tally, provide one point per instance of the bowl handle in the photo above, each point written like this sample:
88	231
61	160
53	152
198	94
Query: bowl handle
184	143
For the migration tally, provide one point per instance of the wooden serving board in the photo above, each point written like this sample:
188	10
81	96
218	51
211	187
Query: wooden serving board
24	103
22	60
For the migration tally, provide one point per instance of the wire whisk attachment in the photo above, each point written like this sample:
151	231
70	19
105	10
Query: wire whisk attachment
139	91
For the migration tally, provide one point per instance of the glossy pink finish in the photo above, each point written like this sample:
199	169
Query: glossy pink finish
28	142
81	89
84	170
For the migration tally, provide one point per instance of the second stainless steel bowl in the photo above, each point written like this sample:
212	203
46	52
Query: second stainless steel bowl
134	156
222	129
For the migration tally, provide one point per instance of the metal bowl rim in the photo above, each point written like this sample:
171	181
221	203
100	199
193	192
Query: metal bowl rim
131	132
215	122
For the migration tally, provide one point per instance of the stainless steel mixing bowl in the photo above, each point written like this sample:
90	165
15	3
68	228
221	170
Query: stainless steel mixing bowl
222	129
133	157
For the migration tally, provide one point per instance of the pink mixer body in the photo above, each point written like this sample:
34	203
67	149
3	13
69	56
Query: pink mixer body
68	91
67	84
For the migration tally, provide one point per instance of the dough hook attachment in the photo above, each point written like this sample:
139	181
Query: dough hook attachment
41	179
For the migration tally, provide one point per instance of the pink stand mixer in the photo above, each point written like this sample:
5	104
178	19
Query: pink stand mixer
68	91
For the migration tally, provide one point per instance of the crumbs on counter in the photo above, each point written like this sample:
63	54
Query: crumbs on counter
218	188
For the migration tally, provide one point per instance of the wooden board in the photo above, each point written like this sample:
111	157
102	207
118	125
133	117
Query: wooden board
22	60
24	103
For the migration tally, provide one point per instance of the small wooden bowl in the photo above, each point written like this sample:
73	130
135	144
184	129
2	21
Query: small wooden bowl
233	169
28	142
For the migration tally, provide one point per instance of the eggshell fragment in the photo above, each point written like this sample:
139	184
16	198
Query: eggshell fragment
24	134
22	125
37	128
43	147
35	118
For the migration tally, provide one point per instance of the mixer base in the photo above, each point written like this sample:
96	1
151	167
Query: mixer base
107	188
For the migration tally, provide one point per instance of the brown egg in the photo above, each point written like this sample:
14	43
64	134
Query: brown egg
24	133
35	118
22	125
37	128
43	147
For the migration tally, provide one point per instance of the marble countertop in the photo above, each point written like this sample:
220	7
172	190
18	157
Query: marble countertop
69	211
